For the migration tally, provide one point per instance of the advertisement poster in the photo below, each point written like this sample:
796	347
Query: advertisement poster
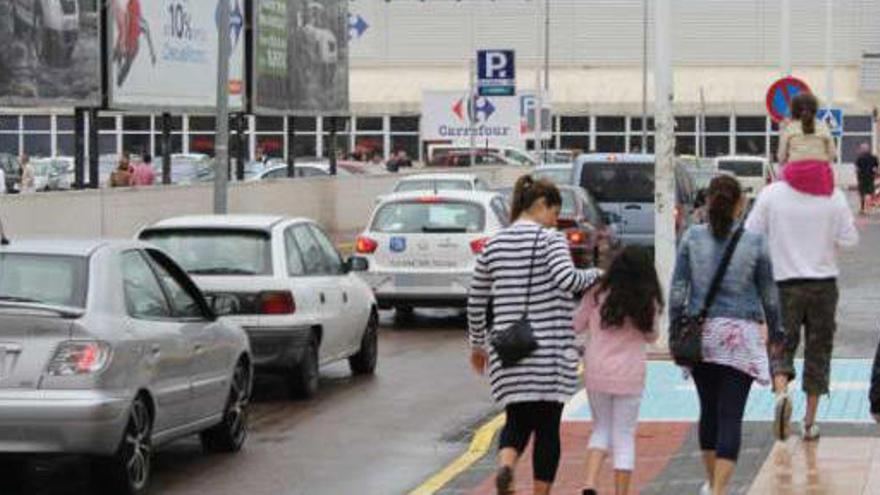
49	57
163	53
301	56
451	116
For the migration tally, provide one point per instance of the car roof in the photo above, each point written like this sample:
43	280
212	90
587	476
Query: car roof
439	176
477	196
245	222
554	166
66	247
616	157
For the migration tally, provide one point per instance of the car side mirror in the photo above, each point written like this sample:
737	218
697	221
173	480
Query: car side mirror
357	264
223	304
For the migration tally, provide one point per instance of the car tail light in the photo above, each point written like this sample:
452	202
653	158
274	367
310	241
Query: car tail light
478	245
577	236
79	357
365	245
277	303
430	200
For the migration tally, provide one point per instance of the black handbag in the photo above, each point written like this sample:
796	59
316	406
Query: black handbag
686	334
517	341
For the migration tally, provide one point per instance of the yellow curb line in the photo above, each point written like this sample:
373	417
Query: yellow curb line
479	447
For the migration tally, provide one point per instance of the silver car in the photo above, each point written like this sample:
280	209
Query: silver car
108	349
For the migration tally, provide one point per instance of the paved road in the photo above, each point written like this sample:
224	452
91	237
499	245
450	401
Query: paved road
380	435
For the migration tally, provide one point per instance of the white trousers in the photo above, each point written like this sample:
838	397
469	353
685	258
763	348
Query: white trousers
615	418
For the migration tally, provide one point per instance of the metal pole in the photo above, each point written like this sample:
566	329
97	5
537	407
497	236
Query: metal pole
79	164
472	111
538	134
291	148
702	135
829	61
664	223
241	146
547	94
94	179
785	39
221	141
644	76
166	148
333	146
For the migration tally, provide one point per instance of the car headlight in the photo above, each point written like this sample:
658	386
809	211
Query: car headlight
79	357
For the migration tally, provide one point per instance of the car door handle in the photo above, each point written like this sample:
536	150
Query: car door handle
632	207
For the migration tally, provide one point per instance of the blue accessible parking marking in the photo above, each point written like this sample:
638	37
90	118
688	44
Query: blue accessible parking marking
670	397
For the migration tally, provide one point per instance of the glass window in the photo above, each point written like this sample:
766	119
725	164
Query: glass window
202	143
369	124
65	123
619	181
610	124
202	124
636	124
270	124
557	175
499	206
46	279
751	124
343	124
216	251
742	168
635	144
107	144
294	257
717	145
9	143
38	144
137	144
751	145
183	304
370	145
685	124
334	261
37	123
685	145
610	144
718	124
574	124
8	122
434	185
278	173
578	143
273	146
143	294
857	123
305	124
404	124
305	146
850	147
410	144
176	123
106	123
66	145
414	217
136	123
176	144
314	260
569	204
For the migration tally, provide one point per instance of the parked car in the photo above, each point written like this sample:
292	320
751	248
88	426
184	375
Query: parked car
558	174
753	172
463	158
109	350
421	246
51	25
52	174
301	170
299	302
555	157
506	154
624	186
441	182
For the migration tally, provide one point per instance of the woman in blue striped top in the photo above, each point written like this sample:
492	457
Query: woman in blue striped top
529	264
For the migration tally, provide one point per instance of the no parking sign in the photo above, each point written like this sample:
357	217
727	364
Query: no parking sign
780	94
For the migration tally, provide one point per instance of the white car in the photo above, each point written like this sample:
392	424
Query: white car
558	174
421	246
301	170
508	154
753	172
441	182
287	286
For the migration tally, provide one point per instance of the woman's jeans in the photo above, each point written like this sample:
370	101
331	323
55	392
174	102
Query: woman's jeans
723	394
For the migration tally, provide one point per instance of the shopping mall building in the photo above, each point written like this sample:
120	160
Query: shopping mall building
726	55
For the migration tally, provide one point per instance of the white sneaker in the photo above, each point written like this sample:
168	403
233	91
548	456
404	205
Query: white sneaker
810	434
706	489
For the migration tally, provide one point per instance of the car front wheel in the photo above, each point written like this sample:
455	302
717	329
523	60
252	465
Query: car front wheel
231	433
127	472
364	362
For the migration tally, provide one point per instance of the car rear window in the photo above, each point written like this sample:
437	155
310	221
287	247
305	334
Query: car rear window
619	182
216	251
742	168
557	176
434	185
44	279
411	217
569	204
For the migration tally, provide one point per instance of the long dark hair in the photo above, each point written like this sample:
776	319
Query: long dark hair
528	191
724	195
633	290
804	108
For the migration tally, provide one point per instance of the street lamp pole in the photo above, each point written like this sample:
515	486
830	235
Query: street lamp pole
221	142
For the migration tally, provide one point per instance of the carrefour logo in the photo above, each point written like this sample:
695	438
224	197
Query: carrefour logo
477	109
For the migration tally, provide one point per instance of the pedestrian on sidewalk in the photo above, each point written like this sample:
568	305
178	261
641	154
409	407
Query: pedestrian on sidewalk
122	176
143	174
806	221
866	171
619	317
737	320
525	273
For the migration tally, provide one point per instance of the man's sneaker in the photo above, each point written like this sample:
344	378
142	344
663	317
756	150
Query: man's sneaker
782	417
706	489
810	433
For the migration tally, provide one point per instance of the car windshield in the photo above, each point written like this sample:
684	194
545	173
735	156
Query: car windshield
434	185
555	175
569	204
743	168
619	182
216	251
44	279
411	217
519	157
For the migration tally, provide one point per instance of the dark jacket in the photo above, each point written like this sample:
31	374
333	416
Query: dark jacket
866	165
874	394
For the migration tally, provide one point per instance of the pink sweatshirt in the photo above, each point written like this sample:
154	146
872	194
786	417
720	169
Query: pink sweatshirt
614	362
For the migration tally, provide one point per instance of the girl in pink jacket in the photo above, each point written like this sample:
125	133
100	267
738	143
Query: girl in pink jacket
620	317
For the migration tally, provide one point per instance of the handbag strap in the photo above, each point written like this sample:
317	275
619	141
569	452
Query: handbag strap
531	269
715	286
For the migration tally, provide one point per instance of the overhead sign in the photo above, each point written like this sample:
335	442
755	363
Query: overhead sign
780	94
301	56
49	57
528	104
163	55
496	73
451	116
833	118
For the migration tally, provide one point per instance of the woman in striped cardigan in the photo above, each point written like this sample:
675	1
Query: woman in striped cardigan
526	269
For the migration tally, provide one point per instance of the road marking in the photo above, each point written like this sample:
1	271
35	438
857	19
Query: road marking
669	396
480	445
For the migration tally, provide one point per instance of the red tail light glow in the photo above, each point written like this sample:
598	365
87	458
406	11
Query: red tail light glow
430	200
277	303
365	245
576	236
478	245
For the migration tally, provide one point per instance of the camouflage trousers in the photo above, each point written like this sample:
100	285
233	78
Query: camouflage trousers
810	305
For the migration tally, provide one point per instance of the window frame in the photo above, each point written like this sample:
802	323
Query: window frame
128	308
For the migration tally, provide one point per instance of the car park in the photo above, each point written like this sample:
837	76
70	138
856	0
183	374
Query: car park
624	186
421	246
109	350
285	284
753	172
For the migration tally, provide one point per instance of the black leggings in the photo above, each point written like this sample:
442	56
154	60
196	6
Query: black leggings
542	419
723	394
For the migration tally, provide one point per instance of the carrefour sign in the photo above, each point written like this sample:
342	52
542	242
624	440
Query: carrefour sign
457	117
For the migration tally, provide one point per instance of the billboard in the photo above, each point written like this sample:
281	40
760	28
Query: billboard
301	56
162	54
491	120
50	53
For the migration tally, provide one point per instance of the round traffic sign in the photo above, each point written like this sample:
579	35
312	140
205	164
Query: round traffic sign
780	94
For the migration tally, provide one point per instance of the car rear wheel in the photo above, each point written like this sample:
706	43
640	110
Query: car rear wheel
364	362
231	433
304	381
127	472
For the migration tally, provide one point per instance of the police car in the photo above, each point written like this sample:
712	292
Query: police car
421	246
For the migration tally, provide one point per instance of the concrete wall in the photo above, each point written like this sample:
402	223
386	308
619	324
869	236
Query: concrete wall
341	205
